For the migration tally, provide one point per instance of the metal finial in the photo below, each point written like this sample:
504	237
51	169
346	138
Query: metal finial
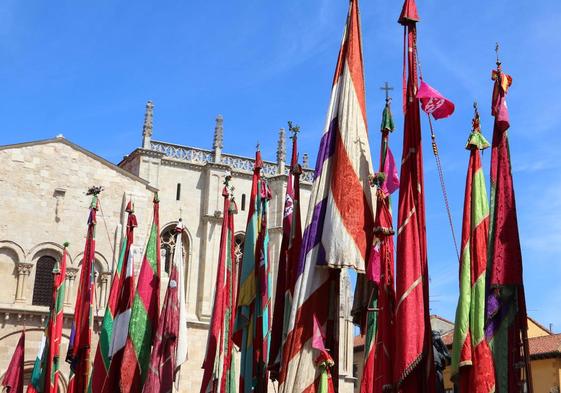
258	146
294	128
387	89
497	48
94	190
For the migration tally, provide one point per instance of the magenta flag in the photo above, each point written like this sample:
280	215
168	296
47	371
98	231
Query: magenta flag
434	103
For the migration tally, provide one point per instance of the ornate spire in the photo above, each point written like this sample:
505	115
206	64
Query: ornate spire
218	142
281	152
147	127
305	161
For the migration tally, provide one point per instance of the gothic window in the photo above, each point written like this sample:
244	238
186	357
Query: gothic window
43	285
238	247
167	245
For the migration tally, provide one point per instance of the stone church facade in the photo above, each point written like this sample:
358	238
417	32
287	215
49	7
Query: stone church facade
43	204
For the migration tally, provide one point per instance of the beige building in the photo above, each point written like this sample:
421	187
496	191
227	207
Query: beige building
43	204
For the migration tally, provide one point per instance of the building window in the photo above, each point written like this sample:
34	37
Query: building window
43	285
238	247
167	245
178	192
243	201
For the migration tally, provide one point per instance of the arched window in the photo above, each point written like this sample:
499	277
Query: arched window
238	247
167	245
43	285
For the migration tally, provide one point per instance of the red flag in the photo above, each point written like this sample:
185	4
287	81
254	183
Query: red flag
288	260
218	373
433	102
81	334
163	360
506	325
413	359
56	322
13	378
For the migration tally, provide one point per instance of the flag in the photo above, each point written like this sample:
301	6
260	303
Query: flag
413	359
144	314
252	326
80	343
37	375
218	373
324	361
55	325
340	217
165	359
472	361
506	324
434	103
121	287
377	375
288	260
13	378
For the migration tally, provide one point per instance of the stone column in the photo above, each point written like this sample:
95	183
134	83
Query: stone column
346	334
105	280
24	270
71	273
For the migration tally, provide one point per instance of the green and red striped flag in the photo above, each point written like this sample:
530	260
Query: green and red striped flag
218	374
472	361
79	347
144	314
45	374
102	358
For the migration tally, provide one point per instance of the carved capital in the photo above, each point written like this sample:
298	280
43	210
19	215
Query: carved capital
105	277
24	268
72	272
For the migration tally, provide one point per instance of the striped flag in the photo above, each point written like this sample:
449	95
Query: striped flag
340	217
506	325
288	261
377	375
79	347
13	378
45	373
218	374
119	293
166	359
413	360
252	322
144	314
472	361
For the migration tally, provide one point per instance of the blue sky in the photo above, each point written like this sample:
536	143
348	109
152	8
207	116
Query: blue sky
86	70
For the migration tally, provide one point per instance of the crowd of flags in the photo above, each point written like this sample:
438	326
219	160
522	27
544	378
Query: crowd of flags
349	224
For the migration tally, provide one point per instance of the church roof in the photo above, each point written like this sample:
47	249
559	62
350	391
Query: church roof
60	139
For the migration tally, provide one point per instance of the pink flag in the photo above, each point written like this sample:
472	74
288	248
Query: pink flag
317	338
433	102
392	180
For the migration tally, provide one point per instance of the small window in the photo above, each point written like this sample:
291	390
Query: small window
43	285
178	192
243	201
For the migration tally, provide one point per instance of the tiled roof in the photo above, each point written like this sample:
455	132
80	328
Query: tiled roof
540	347
545	346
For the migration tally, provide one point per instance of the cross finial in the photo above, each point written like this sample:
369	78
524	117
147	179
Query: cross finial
497	48
387	89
